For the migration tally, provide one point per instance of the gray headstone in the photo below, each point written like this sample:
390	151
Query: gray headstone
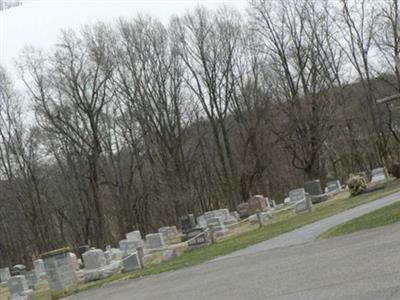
31	278
38	266
60	271
304	206
217	225
155	240
297	194
130	246
4	274
313	187
131	262
17	285
170	234
18	270
378	174
333	186
134	236
201	221
224	214
94	259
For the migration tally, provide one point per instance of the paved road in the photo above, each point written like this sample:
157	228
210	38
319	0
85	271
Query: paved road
363	265
310	232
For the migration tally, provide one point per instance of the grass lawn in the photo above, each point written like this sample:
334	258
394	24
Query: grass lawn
383	216
281	222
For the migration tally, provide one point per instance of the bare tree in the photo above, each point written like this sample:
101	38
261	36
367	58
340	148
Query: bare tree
70	91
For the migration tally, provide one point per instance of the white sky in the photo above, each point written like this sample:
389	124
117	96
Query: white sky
38	22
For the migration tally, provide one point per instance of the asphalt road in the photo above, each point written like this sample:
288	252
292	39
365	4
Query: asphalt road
364	265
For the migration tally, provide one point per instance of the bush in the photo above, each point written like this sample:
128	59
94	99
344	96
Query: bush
394	170
357	185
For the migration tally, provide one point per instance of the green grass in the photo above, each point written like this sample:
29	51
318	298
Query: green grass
383	216
282	222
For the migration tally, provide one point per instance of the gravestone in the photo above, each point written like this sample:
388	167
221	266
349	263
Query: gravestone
132	242
378	175
217	225
31	278
257	204
129	246
155	240
74	260
198	238
94	259
304	206
297	195
313	187
333	186
38	266
18	270
224	214
131	262
134	236
116	254
60	268
17	285
170	234
201	221
4	274
243	210
211	214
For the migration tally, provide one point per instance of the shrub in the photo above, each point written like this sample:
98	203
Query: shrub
357	185
394	170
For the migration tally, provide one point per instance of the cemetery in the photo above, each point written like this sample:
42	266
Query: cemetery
61	272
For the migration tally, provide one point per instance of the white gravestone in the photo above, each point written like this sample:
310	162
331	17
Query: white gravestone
134	236
94	259
304	206
297	195
333	186
17	285
155	240
170	234
4	274
201	221
378	175
38	266
31	278
61	271
217	225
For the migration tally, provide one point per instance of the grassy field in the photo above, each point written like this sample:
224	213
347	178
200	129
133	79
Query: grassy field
281	222
383	216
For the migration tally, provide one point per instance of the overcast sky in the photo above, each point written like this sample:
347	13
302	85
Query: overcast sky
38	22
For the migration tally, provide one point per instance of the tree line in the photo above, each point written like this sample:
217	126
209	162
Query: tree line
130	125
